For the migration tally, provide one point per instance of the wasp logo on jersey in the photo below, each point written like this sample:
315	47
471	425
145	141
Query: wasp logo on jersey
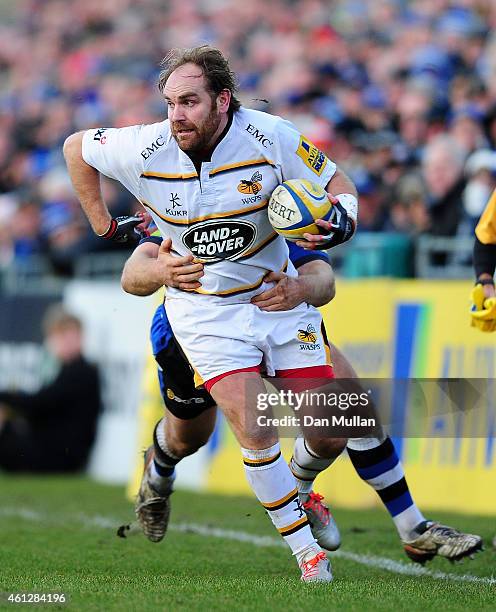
215	240
312	157
253	186
308	338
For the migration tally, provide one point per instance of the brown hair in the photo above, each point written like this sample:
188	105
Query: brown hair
57	318
214	65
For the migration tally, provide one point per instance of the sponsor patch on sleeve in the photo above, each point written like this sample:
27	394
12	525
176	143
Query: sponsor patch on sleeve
311	156
100	135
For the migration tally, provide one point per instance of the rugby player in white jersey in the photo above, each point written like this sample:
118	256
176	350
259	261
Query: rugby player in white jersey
190	415
191	173
205	175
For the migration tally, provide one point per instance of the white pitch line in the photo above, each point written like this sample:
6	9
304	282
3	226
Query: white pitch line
389	565
396	567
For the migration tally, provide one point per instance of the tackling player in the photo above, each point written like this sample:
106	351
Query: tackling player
483	314
190	419
190	172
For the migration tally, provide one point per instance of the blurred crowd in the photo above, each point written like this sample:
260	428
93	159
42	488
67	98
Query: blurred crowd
402	94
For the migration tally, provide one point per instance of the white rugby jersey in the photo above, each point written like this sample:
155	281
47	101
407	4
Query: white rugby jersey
220	215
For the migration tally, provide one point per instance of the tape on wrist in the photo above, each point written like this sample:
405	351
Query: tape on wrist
350	203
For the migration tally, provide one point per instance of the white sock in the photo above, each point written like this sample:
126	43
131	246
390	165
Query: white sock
274	485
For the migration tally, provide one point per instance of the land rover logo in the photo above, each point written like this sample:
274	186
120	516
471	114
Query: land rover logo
220	239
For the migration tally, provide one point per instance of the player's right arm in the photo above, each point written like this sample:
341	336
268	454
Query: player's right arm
86	182
111	152
152	265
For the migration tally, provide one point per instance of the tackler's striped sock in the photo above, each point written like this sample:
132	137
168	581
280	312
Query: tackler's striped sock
272	482
376	462
306	465
164	461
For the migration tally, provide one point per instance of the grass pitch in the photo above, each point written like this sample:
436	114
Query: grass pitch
59	535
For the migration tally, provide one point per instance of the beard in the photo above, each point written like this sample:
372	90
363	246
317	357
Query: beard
194	138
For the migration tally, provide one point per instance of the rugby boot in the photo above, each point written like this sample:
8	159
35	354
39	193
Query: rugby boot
315	566
435	539
152	503
322	523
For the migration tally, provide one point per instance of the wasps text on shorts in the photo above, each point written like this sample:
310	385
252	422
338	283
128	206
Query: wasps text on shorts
252	186
308	335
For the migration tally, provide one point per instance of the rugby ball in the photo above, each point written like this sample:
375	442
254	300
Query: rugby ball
295	205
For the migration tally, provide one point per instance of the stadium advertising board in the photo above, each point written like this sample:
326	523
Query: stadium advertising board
406	329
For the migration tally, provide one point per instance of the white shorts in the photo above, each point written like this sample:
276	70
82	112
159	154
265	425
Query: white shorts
219	339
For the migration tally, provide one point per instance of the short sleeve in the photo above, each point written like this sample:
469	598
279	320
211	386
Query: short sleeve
299	158
300	256
115	153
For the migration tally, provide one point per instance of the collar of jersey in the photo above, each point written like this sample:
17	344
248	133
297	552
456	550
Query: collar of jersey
221	143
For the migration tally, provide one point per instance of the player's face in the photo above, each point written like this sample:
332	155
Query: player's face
194	116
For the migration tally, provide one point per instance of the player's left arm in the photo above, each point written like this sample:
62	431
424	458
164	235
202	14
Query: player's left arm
343	195
88	155
298	158
315	285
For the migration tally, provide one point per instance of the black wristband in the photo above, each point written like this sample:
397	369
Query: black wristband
484	258
485	281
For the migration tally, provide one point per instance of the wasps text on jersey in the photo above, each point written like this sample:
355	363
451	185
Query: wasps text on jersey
308	338
219	213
